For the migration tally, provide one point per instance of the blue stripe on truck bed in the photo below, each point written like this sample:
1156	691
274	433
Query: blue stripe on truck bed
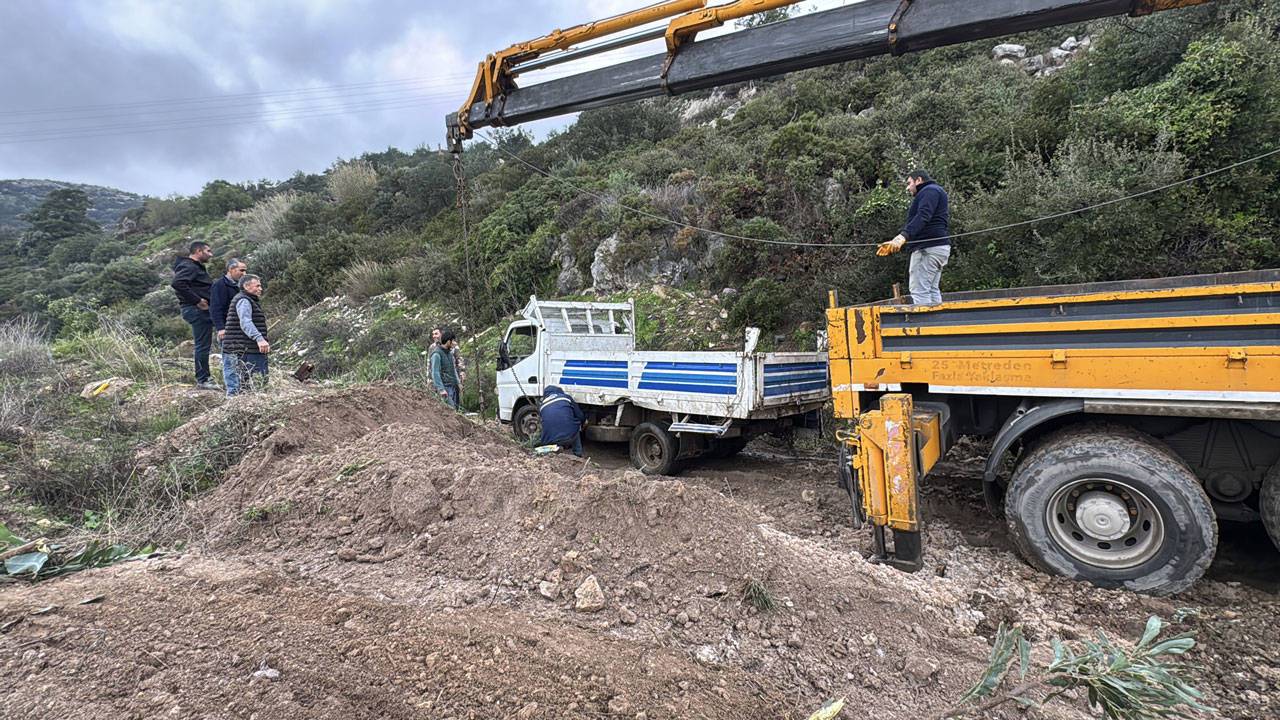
615	364
793	367
792	379
697	378
701	367
797	388
689	388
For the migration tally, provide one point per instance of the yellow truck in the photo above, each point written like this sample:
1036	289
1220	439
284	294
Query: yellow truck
1135	414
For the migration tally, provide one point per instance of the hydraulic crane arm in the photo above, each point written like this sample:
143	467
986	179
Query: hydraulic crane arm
862	30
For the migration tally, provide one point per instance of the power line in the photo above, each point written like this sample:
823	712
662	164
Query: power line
163	123
228	96
399	105
797	243
300	101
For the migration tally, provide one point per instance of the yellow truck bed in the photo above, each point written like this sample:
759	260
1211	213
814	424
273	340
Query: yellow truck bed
1214	337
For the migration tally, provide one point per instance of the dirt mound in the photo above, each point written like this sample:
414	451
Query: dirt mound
435	508
200	637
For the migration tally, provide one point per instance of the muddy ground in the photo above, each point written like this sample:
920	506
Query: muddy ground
376	557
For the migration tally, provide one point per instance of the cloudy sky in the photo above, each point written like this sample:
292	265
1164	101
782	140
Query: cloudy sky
160	96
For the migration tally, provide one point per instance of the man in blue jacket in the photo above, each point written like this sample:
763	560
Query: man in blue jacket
562	420
928	232
220	294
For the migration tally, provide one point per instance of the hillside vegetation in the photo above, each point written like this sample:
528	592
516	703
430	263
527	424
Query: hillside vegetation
633	197
19	197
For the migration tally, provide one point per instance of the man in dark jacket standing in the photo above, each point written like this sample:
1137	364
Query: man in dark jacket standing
928	231
444	374
245	339
220	294
225	288
191	282
562	420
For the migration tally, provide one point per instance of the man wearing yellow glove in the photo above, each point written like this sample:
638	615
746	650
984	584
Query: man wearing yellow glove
929	233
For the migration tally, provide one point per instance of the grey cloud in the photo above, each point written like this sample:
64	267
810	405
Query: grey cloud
69	54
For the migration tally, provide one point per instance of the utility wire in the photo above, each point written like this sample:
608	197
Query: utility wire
256	119
177	123
797	243
299	102
229	96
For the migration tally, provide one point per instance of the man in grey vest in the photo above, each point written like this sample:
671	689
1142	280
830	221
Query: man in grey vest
246	338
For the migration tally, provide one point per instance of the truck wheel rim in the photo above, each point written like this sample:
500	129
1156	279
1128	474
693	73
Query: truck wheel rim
650	450
1105	523
531	425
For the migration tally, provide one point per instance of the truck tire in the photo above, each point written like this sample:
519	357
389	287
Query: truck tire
727	448
1114	507
526	424
654	450
1269	504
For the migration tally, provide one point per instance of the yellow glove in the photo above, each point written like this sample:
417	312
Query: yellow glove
891	247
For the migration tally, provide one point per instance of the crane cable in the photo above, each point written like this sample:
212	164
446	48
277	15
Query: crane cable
460	174
798	243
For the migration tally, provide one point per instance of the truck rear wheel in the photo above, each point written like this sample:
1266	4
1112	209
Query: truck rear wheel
1114	507
654	450
526	424
1270	504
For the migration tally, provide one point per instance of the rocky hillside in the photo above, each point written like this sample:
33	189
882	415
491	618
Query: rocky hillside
18	197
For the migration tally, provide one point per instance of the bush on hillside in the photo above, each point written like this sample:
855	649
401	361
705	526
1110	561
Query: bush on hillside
352	183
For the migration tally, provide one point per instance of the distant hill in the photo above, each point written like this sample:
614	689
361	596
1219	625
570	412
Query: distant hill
20	196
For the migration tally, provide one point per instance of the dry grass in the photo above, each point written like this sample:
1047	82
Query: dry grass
352	182
366	279
116	349
24	352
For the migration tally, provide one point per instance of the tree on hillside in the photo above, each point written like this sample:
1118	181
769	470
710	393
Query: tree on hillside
219	198
62	214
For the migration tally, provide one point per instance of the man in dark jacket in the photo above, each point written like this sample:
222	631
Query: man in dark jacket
444	374
562	420
191	282
928	232
225	288
220	294
245	338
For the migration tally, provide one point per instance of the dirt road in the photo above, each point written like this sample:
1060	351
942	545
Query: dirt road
375	557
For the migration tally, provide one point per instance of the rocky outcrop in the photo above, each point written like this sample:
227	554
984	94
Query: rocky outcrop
1044	64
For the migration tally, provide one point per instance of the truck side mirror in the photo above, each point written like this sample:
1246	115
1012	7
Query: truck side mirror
504	358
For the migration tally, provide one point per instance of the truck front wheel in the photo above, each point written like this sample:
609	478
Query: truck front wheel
1270	504
654	450
1114	507
526	424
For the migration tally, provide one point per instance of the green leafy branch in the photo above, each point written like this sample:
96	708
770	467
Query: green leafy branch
1144	682
40	559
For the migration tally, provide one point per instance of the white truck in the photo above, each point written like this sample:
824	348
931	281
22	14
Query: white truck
671	406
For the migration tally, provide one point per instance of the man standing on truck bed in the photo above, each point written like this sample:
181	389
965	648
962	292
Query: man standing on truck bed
929	233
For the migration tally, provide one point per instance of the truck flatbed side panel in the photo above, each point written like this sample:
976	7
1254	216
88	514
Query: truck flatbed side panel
1165	339
720	384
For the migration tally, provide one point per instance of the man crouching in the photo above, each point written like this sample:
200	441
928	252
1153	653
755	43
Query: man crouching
562	420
